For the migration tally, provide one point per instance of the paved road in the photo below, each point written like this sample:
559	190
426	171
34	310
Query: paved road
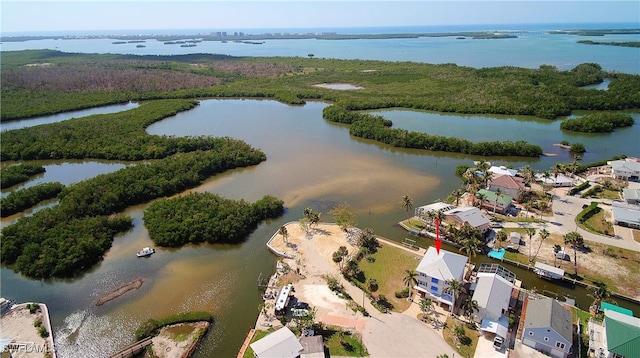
563	221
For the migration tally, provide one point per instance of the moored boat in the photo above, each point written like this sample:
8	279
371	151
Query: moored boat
145	252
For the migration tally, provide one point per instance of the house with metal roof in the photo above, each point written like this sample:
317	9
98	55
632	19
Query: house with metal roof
631	196
502	170
436	270
617	336
555	181
468	214
501	204
548	327
279	344
492	292
626	215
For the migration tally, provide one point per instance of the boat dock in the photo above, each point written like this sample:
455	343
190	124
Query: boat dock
548	271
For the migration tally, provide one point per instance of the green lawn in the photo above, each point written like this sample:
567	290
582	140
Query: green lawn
389	269
349	347
598	224
259	334
465	350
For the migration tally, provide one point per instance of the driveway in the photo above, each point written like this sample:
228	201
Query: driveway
398	335
485	349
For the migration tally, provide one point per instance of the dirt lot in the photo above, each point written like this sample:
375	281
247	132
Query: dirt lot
18	326
175	340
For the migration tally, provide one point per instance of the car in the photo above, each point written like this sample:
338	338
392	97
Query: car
498	342
301	305
299	312
496	225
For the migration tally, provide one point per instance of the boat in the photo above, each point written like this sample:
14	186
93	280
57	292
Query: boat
548	271
147	251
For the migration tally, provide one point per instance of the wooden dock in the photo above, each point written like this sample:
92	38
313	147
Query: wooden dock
133	349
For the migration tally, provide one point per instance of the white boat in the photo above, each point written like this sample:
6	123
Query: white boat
145	252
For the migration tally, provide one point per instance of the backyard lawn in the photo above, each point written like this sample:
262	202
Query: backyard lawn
389	269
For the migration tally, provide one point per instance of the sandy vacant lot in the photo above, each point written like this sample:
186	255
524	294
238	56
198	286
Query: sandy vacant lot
17	325
176	340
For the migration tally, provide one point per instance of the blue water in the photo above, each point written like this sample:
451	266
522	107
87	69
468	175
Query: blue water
531	49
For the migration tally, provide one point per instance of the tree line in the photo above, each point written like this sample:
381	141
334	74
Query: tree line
23	199
19	173
67	239
378	128
206	217
598	122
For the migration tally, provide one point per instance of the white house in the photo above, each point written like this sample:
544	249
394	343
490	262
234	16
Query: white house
435	207
502	170
435	271
631	196
626	169
626	215
279	344
493	294
555	181
468	214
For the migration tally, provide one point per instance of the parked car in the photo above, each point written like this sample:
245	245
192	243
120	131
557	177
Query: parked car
299	313
496	225
498	342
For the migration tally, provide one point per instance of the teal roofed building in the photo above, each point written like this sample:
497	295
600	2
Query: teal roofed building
617	336
492	202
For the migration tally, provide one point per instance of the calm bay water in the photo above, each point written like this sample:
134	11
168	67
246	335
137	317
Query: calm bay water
531	49
310	163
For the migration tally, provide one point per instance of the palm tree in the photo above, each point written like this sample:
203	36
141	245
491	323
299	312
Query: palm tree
528	174
454	287
501	236
575	240
480	197
487	176
426	305
577	159
531	232
544	234
439	214
406	203
498	197
411	280
600	293
470	245
457	194
285	234
469	306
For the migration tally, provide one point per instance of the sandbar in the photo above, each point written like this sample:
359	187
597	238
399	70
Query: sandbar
133	285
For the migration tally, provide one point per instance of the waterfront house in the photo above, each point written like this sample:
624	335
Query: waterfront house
548	327
509	185
502	170
422	211
556	181
468	214
493	292
617	336
625	169
279	344
435	271
626	215
501	204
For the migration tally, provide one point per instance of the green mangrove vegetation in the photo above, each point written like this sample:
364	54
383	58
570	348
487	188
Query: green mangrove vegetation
151	327
68	238
612	43
598	122
376	127
23	199
20	173
200	217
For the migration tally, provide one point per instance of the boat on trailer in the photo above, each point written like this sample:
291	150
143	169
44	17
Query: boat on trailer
147	251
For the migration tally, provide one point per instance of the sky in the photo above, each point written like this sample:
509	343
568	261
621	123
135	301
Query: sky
93	15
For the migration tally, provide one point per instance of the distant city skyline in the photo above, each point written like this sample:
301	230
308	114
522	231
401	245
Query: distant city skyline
101	16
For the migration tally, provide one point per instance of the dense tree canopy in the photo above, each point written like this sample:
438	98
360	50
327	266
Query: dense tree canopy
20	173
23	199
598	122
200	217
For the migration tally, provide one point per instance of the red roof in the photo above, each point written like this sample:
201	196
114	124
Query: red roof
508	182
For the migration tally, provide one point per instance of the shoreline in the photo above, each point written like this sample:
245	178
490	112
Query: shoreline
133	285
18	327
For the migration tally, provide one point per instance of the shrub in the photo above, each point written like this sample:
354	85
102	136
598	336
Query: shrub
403	293
43	332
